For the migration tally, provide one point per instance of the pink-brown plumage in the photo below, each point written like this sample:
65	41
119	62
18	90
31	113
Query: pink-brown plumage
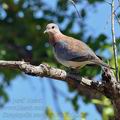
70	51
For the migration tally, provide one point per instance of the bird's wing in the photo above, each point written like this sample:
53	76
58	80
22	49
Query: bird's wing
74	50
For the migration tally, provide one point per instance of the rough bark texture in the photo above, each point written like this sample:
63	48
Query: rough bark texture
92	89
116	104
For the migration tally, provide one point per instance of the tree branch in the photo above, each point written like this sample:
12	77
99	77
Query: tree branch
75	8
117	19
114	40
92	89
44	70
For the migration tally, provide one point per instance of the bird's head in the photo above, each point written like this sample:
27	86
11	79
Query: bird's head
52	29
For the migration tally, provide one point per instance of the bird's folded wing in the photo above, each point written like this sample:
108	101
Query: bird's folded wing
82	58
78	52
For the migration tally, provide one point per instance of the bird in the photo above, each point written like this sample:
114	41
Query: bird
71	52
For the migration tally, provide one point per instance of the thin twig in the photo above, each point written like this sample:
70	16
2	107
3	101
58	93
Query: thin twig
118	20
115	10
108	2
114	40
75	8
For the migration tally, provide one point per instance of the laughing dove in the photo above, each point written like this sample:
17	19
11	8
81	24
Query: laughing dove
69	51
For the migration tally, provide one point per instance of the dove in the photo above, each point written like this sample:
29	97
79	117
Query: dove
71	52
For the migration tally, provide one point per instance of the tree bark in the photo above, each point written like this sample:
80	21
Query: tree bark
116	104
92	89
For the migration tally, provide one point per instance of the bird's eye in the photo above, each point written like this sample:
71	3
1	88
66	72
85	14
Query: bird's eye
53	27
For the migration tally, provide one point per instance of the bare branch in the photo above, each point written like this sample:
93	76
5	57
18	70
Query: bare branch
43	70
75	8
108	2
114	40
118	20
114	11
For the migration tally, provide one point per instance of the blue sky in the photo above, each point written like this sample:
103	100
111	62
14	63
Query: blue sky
29	95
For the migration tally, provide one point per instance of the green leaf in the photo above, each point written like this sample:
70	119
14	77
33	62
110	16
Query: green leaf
49	113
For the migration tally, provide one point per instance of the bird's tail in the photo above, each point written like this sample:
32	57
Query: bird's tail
100	62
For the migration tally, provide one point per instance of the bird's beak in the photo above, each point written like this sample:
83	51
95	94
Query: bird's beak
45	31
